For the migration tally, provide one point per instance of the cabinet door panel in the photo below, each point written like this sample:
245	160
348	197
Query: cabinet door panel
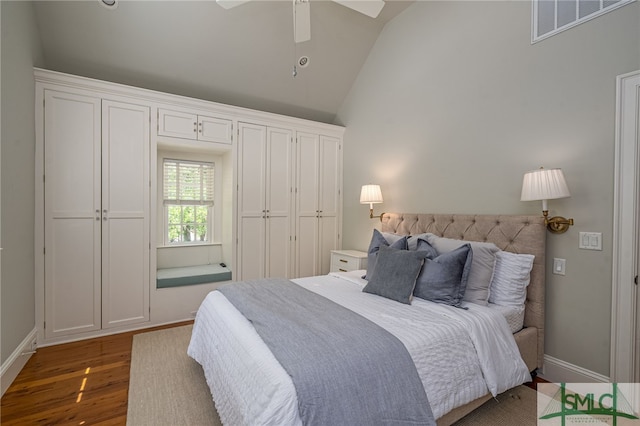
213	129
329	176
328	240
307	246
71	199
177	124
125	202
125	290
278	175
278	247
251	172
125	156
252	249
72	296
307	176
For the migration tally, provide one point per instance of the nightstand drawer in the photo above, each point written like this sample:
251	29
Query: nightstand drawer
347	260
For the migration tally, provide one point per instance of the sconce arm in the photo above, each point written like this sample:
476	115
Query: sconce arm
556	224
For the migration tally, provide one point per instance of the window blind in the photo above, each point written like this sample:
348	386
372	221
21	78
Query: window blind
187	182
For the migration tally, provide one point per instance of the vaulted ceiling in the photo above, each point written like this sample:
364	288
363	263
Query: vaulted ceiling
242	56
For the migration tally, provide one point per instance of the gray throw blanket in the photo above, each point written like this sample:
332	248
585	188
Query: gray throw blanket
346	369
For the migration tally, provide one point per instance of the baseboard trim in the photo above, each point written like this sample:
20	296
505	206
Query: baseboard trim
14	364
558	371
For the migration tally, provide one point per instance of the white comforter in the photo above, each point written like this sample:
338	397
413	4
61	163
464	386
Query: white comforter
460	354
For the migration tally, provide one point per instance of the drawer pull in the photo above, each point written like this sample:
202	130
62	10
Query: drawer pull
344	261
342	270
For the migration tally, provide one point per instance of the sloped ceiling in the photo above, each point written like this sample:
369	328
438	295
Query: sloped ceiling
243	56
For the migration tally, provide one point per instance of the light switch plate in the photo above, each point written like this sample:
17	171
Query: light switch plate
590	241
559	266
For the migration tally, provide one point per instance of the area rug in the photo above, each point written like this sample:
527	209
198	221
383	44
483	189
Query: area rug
168	388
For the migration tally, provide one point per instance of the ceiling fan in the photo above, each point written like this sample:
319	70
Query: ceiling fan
302	16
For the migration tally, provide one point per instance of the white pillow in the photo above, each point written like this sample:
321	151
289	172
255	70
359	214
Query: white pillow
511	276
482	262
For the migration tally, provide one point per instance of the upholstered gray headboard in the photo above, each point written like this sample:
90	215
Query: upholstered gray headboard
517	234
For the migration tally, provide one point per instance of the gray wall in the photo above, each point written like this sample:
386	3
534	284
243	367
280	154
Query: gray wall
21	51
454	104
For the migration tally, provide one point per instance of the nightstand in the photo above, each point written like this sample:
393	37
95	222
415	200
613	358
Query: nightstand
348	260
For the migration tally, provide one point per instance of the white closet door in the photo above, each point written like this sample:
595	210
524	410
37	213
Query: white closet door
125	214
72	213
251	201
329	200
307	210
278	203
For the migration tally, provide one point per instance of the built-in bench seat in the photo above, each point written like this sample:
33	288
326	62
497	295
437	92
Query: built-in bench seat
191	275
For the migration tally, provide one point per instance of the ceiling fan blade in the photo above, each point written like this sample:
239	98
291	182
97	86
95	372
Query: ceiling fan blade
370	8
301	21
228	4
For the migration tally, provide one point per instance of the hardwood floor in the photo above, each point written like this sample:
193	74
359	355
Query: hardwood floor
80	383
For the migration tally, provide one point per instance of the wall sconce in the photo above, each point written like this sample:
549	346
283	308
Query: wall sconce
546	185
371	194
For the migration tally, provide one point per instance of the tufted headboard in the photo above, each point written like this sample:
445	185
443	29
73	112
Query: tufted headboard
517	234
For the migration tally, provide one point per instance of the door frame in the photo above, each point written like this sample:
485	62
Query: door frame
625	229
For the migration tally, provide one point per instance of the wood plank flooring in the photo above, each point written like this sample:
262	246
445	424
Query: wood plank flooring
80	383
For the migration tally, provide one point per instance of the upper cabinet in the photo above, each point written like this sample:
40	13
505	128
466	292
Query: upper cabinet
188	125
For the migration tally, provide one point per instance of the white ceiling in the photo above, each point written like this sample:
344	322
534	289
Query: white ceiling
243	56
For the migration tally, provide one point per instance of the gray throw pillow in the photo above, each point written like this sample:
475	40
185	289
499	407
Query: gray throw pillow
412	241
443	279
395	274
484	257
378	240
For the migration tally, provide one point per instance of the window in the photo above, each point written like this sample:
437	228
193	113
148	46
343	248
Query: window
550	17
188	201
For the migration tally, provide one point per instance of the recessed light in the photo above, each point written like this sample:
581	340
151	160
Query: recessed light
109	4
303	61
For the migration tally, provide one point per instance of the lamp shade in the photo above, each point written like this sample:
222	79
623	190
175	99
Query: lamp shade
371	194
543	184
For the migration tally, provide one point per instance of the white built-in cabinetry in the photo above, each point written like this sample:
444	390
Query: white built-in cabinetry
265	186
96	213
318	202
99	206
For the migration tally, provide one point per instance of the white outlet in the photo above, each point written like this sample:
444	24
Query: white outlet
559	266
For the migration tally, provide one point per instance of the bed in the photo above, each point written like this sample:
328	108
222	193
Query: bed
249	386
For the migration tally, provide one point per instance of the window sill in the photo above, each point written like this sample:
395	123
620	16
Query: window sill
189	245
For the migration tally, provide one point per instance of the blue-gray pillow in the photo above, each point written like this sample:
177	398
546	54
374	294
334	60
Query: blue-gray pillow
379	239
423	245
443	279
412	240
394	276
484	258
